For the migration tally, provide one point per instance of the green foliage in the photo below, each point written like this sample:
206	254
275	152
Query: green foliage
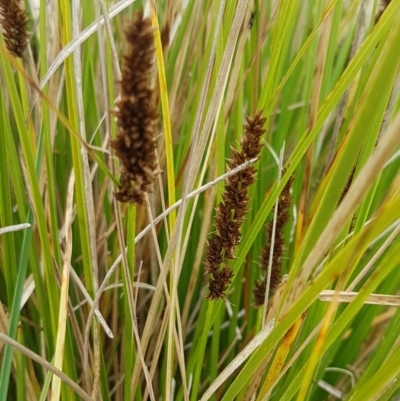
107	300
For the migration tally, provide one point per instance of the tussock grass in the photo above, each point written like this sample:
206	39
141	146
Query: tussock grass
105	298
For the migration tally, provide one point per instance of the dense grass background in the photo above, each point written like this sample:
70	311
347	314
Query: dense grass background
326	76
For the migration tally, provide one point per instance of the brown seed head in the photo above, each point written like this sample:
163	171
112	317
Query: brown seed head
232	210
14	20
284	204
136	115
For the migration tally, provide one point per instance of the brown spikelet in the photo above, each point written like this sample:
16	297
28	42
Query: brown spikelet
14	20
232	209
219	284
136	116
259	292
284	204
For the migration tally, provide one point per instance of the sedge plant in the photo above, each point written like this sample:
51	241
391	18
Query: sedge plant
199	200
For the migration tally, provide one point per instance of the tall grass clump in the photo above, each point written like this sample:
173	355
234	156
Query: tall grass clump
199	200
